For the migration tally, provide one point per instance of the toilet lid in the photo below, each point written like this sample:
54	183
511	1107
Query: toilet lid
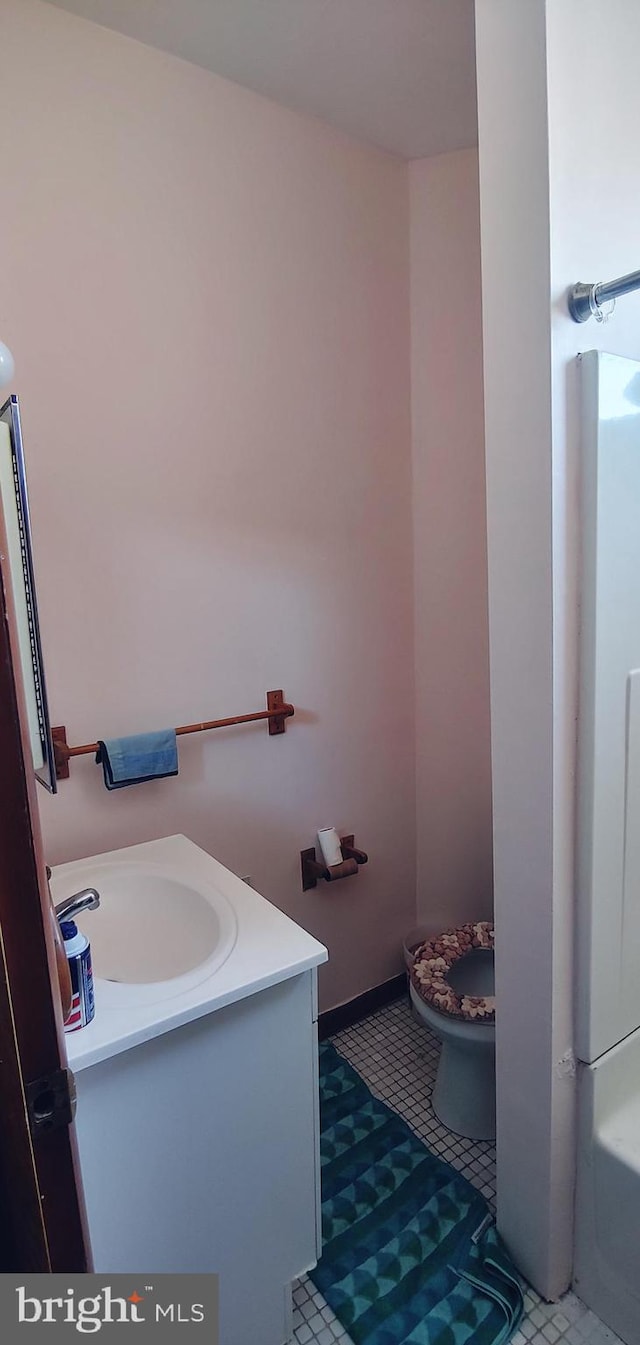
433	961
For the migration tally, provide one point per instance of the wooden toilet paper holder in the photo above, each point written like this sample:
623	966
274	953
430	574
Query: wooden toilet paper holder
312	870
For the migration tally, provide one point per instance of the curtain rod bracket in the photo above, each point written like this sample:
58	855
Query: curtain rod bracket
586	301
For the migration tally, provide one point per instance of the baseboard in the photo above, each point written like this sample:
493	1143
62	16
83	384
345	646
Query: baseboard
360	1007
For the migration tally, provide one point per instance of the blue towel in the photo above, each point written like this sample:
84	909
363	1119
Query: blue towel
131	761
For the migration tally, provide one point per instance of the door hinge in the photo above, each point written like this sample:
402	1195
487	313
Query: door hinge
51	1101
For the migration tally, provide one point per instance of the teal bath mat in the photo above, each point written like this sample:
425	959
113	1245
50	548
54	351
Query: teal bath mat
410	1253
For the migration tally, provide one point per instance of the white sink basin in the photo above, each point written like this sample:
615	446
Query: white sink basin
153	926
169	910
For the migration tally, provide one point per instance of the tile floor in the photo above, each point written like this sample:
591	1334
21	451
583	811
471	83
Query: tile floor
398	1058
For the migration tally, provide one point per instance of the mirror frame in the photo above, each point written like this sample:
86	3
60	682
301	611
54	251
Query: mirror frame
10	414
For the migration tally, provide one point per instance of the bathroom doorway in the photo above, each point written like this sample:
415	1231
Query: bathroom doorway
42	1226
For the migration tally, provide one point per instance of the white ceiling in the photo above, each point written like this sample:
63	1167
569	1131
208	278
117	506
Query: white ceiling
397	73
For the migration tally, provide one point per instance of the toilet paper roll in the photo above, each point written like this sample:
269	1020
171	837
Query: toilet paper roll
329	842
344	870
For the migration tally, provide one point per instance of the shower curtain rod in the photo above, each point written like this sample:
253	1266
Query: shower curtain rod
585	300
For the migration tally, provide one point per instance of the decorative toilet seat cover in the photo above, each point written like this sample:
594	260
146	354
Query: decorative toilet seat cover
434	959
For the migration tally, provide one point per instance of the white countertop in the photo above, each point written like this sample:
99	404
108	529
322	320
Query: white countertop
269	948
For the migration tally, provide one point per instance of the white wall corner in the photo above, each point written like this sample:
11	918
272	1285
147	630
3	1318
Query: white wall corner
531	729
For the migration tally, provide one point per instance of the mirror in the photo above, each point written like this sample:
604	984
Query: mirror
15	506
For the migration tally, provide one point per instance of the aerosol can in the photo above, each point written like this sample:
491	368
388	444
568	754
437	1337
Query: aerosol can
78	951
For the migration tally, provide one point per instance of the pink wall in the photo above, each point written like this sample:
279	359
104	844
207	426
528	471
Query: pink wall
453	766
207	298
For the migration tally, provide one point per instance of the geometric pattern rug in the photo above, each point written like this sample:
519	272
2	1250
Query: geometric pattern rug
410	1252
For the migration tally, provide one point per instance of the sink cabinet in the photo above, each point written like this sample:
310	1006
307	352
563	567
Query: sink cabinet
197	1117
199	1151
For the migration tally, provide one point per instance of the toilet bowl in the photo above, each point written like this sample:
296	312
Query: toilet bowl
451	989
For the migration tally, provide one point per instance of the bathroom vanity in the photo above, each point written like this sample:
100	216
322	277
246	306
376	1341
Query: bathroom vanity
197	1115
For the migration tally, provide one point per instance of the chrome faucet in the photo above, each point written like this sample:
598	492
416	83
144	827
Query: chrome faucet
86	900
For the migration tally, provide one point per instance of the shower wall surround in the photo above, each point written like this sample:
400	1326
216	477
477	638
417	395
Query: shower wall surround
608	848
608	852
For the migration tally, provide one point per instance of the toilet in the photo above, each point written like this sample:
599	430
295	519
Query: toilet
452	993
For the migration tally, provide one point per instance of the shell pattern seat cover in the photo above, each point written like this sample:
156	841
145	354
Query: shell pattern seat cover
432	963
